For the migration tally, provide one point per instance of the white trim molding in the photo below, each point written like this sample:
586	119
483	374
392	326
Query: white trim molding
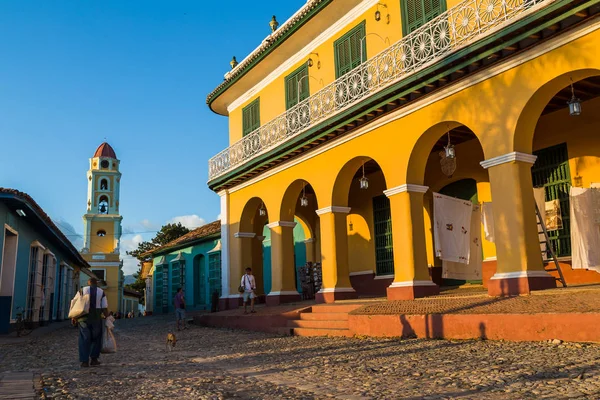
283	224
337	290
488	259
285	293
369	272
412	283
407	187
224	242
378	277
244	235
521	274
333	209
507	158
327	34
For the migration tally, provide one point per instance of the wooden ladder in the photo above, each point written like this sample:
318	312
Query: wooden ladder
549	249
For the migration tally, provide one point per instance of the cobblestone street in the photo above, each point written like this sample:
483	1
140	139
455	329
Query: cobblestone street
218	364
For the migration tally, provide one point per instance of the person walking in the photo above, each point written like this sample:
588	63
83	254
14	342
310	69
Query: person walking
249	285
179	302
90	325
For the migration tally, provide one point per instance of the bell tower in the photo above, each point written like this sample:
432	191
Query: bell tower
102	223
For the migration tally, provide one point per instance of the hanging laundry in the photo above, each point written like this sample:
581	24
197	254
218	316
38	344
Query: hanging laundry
452	228
585	233
488	221
595	187
553	219
471	271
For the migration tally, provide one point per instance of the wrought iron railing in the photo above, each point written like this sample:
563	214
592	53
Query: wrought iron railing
469	21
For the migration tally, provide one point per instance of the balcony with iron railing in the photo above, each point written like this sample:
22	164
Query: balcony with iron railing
458	27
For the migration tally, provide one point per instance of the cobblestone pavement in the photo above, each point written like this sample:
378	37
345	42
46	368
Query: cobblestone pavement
218	364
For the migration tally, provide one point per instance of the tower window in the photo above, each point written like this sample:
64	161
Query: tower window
104	164
103	205
103	184
101	232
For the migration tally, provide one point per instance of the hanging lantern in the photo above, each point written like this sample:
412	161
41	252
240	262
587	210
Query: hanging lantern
262	212
377	15
450	153
364	182
304	199
574	103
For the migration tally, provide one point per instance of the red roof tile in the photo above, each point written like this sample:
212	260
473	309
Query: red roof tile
105	150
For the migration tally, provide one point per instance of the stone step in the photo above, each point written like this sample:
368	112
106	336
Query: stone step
282	330
324	316
345	308
322	332
318	324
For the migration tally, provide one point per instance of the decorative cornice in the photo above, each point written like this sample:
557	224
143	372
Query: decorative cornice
507	158
283	224
334	209
407	187
412	283
244	235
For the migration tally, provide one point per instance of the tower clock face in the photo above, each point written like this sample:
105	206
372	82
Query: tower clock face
104	164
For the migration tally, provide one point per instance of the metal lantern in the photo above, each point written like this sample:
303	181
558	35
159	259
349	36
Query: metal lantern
449	149
310	62
304	199
262	212
233	63
274	24
574	104
377	16
364	182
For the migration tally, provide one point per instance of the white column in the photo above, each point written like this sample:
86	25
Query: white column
224	243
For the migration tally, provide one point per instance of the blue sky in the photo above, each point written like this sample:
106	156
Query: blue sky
134	72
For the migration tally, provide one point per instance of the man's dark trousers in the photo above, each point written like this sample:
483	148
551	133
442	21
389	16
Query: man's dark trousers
90	340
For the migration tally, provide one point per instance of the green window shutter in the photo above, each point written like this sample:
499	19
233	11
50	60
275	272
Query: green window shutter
291	86
551	171
415	13
214	273
384	248
347	50
251	117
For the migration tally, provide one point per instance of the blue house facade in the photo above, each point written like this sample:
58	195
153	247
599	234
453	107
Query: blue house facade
39	267
191	262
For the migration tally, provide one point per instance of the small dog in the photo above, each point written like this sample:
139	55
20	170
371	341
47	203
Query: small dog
171	341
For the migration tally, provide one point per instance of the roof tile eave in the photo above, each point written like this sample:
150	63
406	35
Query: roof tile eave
199	233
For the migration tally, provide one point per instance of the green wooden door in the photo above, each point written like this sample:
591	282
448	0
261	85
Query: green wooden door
551	171
384	247
415	13
214	273
199	281
347	50
296	87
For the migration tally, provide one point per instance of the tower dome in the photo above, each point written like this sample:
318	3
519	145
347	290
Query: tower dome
105	150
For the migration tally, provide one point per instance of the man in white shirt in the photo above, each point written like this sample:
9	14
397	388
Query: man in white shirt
249	285
90	325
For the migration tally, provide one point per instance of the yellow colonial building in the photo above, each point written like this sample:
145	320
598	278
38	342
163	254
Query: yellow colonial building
102	224
350	115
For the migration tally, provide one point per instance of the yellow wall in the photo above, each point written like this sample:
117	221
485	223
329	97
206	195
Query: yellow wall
499	110
112	293
103	244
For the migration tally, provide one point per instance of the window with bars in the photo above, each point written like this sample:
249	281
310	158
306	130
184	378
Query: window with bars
384	248
347	50
415	13
251	117
551	171
296	86
214	273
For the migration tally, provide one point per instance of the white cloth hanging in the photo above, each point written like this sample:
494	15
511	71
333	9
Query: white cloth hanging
585	233
488	221
471	271
452	228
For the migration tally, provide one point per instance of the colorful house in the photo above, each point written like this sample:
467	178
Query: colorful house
131	302
348	116
102	224
39	267
191	262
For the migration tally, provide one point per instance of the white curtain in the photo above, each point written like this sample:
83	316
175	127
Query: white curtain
488	221
471	271
585	232
452	228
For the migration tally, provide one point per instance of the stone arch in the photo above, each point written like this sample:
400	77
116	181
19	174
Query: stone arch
532	111
251	215
291	198
345	177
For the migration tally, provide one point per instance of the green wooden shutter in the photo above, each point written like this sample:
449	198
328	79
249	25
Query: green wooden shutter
251	117
384	248
347	50
291	86
551	170
415	13
214	273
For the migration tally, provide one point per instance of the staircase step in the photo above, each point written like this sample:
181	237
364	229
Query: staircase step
318	324
324	316
322	332
346	308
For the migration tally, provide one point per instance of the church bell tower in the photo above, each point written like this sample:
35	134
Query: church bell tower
102	223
